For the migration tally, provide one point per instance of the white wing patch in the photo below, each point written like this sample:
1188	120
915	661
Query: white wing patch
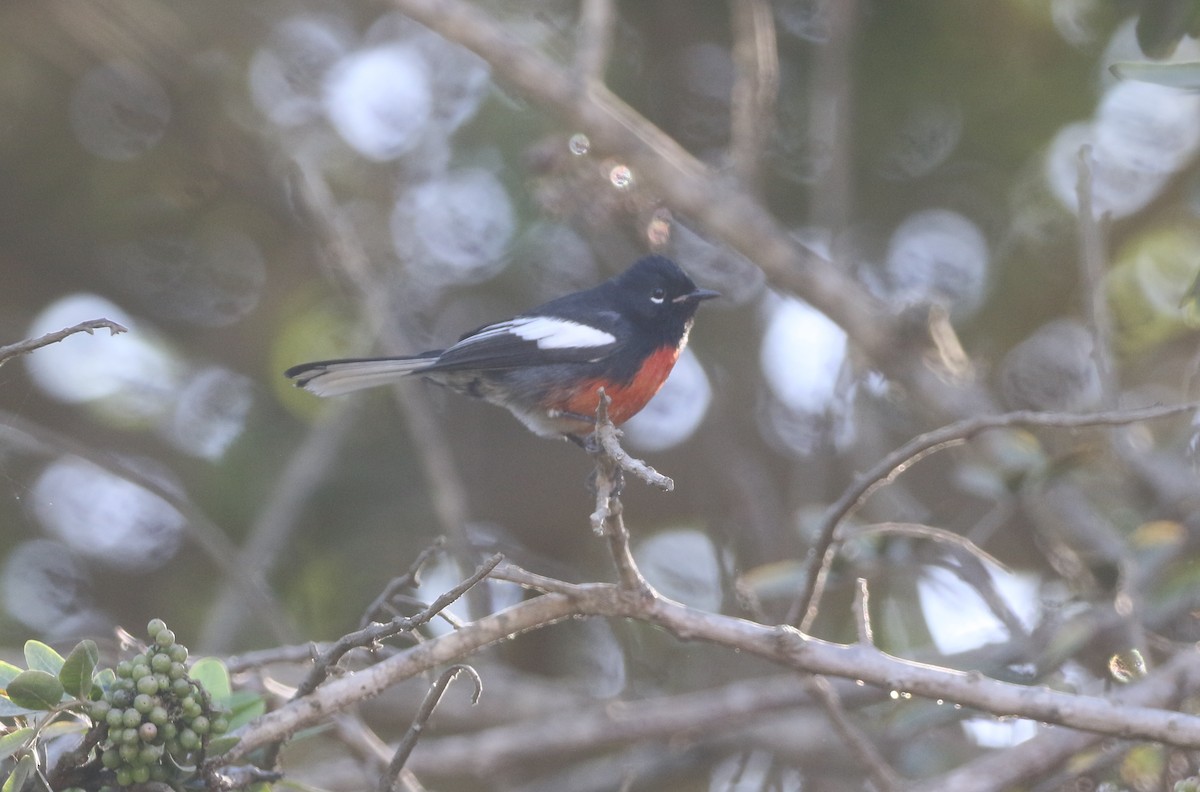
550	332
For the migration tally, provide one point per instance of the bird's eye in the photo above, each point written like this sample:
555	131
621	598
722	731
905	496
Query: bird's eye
658	295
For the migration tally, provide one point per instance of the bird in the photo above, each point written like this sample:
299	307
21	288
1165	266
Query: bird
547	365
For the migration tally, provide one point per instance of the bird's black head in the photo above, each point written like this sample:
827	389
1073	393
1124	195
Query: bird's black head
656	291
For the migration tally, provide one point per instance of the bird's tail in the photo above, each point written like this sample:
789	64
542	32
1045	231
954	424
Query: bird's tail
335	377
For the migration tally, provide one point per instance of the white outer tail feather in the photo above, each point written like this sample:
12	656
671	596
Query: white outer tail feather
340	377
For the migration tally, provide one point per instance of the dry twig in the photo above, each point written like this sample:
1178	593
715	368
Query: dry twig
32	344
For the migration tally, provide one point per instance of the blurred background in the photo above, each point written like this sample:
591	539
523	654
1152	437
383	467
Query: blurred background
251	186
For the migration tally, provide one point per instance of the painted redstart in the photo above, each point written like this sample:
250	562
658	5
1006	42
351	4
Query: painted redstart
547	365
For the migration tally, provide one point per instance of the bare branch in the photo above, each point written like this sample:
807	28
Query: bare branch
756	84
882	775
374	633
804	608
1129	713
934	534
608	479
432	698
30	345
410	579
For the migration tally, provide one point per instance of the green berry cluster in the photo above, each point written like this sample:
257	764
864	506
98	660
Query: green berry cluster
158	719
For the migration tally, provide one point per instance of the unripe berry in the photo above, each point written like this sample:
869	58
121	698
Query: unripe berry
98	710
125	776
189	740
155	627
148	732
165	638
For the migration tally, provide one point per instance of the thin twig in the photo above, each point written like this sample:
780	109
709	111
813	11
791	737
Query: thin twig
882	775
430	703
607	437
608	478
804	608
862	613
374	633
530	580
410	579
29	345
933	534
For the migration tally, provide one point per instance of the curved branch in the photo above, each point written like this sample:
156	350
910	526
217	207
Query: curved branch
804	608
1123	715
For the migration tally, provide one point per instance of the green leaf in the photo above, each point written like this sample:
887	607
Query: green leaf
1172	75
76	673
14	741
10	710
36	689
244	706
212	674
24	770
9	672
41	657
106	678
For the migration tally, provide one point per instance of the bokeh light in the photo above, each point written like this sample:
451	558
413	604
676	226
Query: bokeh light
938	256
46	588
106	517
455	229
130	368
379	100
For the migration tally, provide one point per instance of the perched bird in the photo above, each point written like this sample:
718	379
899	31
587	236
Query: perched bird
547	365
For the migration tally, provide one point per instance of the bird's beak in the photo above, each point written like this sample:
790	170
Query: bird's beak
697	296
